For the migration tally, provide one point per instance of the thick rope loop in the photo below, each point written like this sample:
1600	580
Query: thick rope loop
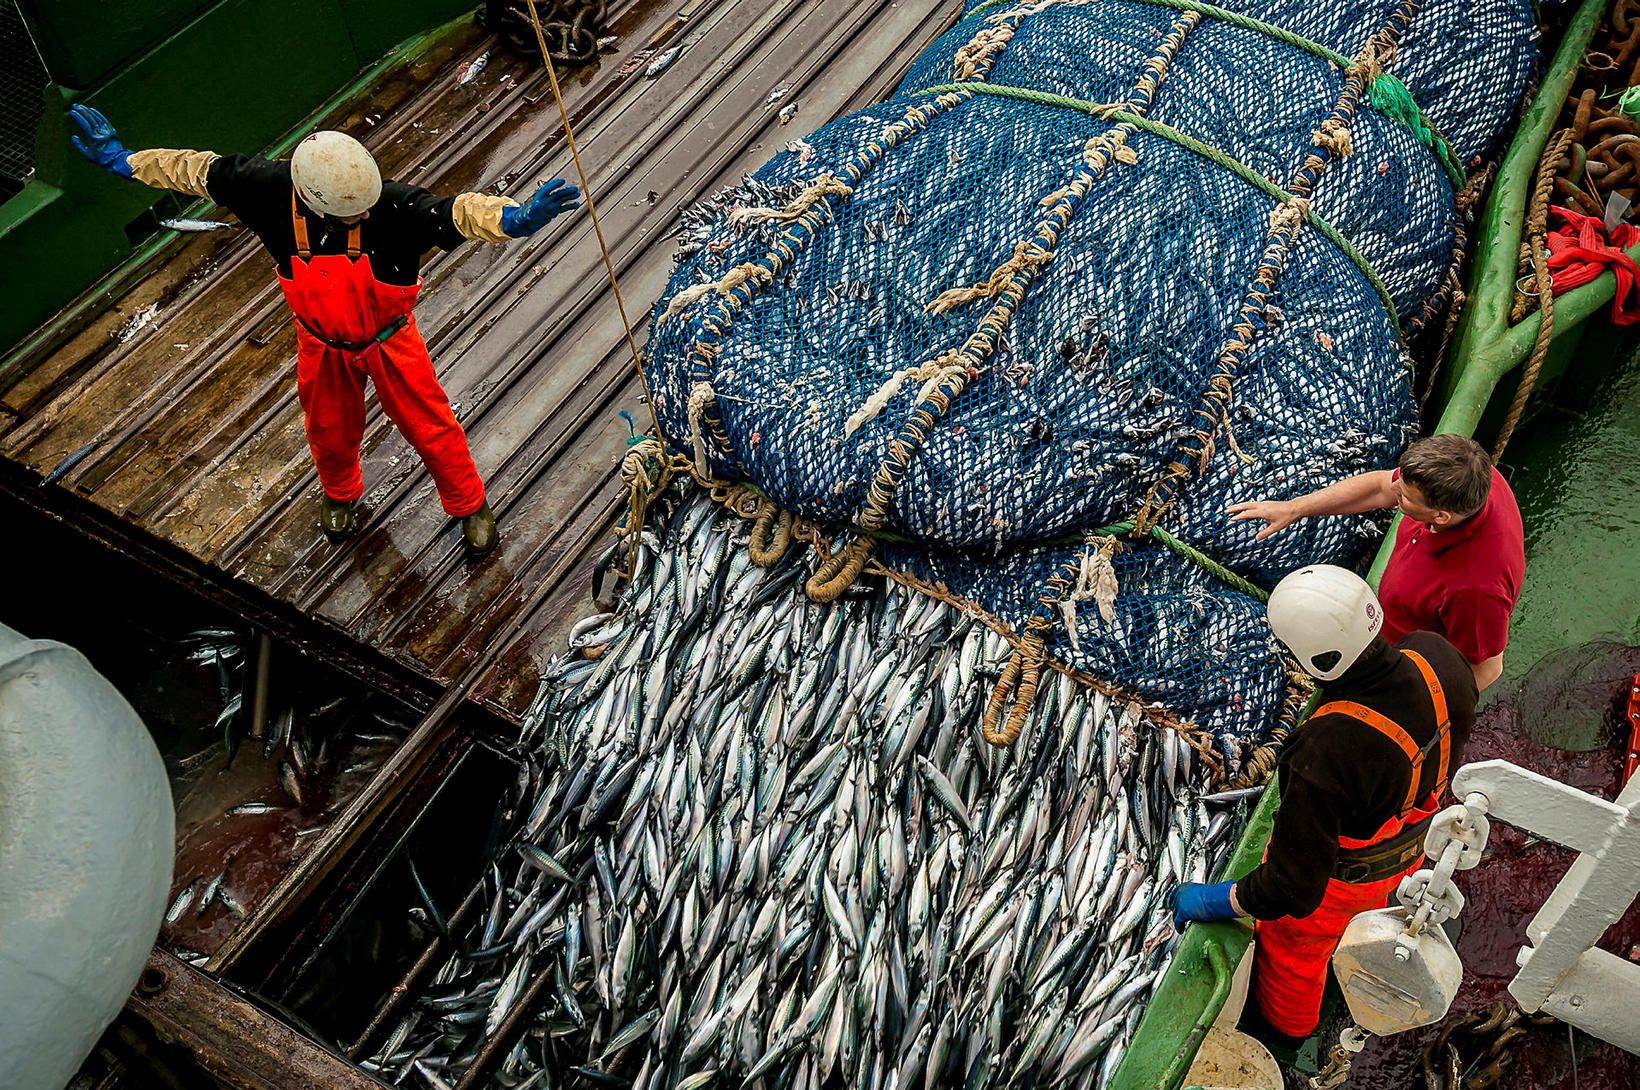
771	535
645	471
1261	763
1018	680
838	571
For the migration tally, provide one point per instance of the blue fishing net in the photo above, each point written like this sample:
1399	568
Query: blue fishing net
1094	277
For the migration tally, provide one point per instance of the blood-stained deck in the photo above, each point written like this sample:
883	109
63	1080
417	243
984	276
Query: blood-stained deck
182	385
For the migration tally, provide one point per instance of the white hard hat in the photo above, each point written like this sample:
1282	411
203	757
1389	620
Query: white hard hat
1326	616
335	175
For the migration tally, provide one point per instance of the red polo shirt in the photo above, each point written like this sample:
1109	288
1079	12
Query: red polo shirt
1462	582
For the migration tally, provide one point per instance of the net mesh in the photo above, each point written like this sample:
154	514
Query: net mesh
23	83
1127	312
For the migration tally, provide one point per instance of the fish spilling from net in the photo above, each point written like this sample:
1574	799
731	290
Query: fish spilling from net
1095	271
768	847
1015	337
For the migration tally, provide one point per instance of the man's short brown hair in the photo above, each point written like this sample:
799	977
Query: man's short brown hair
1452	472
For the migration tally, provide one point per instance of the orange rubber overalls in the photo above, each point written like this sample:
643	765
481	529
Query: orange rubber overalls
353	326
1290	962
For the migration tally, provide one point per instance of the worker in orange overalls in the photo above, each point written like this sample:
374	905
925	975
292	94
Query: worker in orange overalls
1359	783
348	250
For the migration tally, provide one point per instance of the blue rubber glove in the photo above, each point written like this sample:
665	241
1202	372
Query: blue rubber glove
101	144
552	199
1195	901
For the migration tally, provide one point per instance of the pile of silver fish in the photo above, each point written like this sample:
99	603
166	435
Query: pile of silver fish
768	847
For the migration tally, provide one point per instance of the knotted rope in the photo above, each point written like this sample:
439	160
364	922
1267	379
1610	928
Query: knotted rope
1027	255
701	397
645	472
751	272
1334	136
826	185
924	372
1096	583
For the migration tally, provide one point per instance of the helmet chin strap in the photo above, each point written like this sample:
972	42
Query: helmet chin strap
311	206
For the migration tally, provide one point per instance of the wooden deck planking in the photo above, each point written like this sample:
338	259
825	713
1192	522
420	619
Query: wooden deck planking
239	295
159	397
469	372
203	448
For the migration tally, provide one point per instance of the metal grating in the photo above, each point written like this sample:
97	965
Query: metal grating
23	81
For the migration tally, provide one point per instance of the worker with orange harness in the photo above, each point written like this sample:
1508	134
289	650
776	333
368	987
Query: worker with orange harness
348	249
1359	783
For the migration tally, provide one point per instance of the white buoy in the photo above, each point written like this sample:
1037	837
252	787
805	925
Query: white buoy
87	834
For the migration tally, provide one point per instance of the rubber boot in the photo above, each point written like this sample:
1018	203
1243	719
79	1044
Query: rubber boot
336	519
479	530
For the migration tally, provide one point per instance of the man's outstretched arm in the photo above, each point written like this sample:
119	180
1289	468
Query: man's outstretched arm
177	169
488	218
1351	496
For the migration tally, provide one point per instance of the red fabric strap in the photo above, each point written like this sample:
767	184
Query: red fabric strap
1580	250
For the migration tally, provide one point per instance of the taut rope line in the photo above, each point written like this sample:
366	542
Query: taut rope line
592	211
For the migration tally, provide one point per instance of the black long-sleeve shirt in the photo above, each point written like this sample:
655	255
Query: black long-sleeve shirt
1340	777
403	225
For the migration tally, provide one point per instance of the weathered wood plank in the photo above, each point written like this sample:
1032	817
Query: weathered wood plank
238	1043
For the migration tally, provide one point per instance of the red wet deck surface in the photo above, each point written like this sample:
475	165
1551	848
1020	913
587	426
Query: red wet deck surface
199	441
1510	885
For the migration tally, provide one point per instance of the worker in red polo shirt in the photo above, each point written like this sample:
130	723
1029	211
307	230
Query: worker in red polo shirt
1460	553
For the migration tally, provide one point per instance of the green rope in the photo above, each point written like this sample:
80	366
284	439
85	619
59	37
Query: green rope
1252	177
1391	98
1247	22
1628	104
1234	18
1192	554
977	8
1388	95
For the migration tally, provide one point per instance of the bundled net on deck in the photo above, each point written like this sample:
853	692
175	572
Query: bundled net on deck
1097	270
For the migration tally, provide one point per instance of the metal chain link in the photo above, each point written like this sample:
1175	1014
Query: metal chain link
1336	1072
571	27
1498	1032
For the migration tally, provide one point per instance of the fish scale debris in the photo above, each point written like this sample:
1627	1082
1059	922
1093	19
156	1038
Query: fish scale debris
814	872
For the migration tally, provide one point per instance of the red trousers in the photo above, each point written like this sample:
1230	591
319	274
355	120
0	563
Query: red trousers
339	297
1291	958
